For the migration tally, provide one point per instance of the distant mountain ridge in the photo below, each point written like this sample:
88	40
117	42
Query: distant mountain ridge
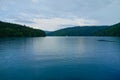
114	30
78	31
16	30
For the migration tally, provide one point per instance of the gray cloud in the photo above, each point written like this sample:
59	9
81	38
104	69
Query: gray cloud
23	21
27	11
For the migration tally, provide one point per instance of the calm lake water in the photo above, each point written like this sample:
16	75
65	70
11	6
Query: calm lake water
60	58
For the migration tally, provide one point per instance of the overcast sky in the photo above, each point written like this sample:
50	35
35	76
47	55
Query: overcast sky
55	14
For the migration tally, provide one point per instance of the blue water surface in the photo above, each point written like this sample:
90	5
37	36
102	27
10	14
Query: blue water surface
60	58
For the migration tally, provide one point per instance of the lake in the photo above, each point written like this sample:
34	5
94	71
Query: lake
60	58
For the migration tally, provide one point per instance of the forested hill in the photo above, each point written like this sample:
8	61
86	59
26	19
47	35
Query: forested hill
78	31
111	31
15	30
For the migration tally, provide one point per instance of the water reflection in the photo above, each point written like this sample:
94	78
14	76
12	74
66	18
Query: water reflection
56	58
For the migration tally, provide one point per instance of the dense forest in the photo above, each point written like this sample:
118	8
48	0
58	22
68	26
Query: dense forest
15	30
114	30
78	31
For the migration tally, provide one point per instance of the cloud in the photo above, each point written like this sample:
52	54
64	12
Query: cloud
51	14
34	1
108	15
23	21
57	23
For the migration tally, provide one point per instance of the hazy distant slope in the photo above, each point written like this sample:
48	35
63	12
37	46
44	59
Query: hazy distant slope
15	30
78	31
111	31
